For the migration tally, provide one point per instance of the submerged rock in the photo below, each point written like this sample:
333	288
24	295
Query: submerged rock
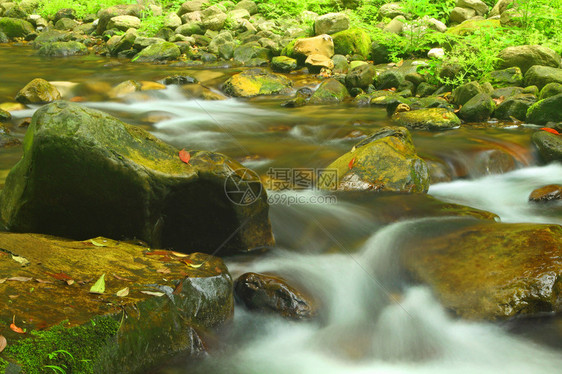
492	270
427	119
84	173
270	293
385	161
38	91
163	301
254	82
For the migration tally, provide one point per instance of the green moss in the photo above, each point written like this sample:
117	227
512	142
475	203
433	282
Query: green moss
352	41
14	28
74	348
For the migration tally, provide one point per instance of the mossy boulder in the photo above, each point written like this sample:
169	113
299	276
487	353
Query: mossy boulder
352	42
254	82
105	15
38	91
124	23
249	51
478	109
84	173
15	27
511	76
549	145
164	51
547	110
491	270
462	94
63	49
361	76
107	333
390	79
190	28
52	36
540	76
66	24
550	89
385	161
427	119
330	91
515	107
283	64
525	56
472	25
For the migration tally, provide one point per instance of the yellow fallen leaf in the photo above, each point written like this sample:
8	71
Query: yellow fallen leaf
21	260
178	254
2	280
99	286
195	266
70	282
122	293
153	293
97	244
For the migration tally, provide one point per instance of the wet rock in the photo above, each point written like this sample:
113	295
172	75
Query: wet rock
212	18
4	116
15	11
249	5
525	56
331	23
550	89
179	79
515	107
341	65
540	76
300	49
268	293
329	92
315	63
197	91
63	314
105	15
124	88
479	6
361	76
15	27
547	193
66	24
506	77
124	23
164	51
506	92
491	270
379	52
64	13
220	40
51	36
38	91
425	89
248	51
390	79
76	180
547	110
385	161
192	6
254	82
283	64
478	109
63	49
118	44
464	93
190	28
549	145
427	119
351	42
493	161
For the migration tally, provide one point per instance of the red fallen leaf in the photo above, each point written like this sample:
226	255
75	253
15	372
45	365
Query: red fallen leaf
218	270
351	163
178	288
157	252
184	156
3	343
77	99
60	276
552	131
14	328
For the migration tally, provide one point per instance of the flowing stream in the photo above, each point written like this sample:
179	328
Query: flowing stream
373	319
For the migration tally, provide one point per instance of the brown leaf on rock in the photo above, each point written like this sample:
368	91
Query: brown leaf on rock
163	271
178	288
121	278
60	276
42	281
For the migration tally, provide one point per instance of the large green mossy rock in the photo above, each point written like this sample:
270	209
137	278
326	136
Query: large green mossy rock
63	49
38	91
478	109
330	91
106	333
526	56
547	110
549	145
491	270
385	161
540	76
15	27
351	42
254	82
84	173
427	119
164	51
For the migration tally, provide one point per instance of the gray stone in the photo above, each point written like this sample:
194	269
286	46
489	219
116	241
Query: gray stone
478	109
525	56
331	23
540	76
459	15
